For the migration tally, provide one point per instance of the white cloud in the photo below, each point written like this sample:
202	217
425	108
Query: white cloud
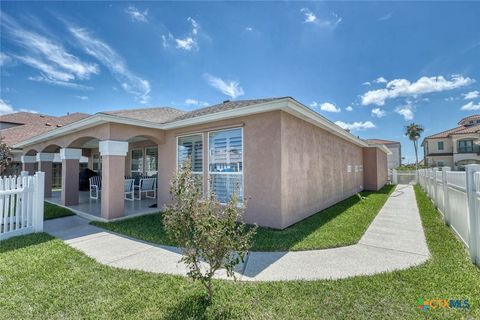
367	83
137	15
471	107
227	87
309	16
385	17
6	108
47	55
380	80
250	29
195	102
59	83
326	106
405	111
129	81
349	108
4	59
379	113
82	97
330	21
355	126
188	43
404	88
471	95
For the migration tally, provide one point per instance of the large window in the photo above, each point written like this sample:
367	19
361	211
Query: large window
225	163
136	162
151	161
191	148
465	146
440	145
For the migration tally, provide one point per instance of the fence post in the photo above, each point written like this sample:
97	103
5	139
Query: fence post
434	187
473	214
38	198
445	194
394	176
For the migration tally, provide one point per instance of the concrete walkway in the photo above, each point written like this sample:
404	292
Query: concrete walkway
394	241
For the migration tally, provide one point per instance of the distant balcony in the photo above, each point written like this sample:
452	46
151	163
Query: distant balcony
469	149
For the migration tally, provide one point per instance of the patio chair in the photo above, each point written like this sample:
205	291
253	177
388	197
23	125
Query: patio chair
129	191
95	186
147	185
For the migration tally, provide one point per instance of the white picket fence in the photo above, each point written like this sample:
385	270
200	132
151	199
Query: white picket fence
21	205
456	194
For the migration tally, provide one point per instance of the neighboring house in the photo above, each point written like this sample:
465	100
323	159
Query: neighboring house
394	159
288	161
454	147
20	126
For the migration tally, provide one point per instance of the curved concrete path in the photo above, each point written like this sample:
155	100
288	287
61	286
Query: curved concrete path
394	241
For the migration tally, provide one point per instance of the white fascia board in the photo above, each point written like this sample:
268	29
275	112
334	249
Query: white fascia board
43	156
28	159
297	109
70	154
92	121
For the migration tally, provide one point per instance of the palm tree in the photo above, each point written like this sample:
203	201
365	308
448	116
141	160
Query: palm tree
413	131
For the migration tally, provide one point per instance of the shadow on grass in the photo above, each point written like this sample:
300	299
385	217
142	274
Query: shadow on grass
20	242
199	308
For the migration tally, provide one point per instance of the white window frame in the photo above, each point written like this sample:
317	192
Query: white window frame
143	160
240	200
203	155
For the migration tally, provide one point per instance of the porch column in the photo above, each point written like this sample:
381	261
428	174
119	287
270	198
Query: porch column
28	164
45	164
113	170
70	170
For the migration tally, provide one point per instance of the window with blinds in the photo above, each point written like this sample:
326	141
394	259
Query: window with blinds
191	148
226	163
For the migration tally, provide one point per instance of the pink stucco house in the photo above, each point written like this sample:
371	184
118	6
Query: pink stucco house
287	160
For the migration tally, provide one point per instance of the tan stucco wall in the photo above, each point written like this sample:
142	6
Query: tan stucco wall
314	169
375	171
433	145
262	153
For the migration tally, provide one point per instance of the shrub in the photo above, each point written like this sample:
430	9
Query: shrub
212	236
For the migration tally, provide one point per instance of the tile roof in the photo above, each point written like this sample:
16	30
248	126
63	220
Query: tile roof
25	117
382	141
32	128
227	105
472	117
446	133
160	115
469	129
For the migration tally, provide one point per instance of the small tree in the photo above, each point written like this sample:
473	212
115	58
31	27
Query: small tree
5	155
206	230
413	131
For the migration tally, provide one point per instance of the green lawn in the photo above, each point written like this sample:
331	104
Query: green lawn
42	278
340	225
52	211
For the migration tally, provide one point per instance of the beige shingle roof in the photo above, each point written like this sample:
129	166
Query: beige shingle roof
160	115
227	105
36	125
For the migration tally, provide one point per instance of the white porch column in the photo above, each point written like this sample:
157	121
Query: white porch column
473	213
28	164
45	164
113	171
70	170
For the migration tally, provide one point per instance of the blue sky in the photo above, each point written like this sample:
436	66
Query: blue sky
370	66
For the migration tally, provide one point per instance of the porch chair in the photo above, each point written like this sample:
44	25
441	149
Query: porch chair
95	186
147	185
129	191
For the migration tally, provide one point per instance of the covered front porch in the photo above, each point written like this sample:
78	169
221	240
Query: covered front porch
120	180
92	209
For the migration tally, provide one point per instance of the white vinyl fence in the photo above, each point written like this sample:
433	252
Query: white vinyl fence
404	176
21	205
456	194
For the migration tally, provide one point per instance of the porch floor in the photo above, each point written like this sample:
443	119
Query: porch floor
91	208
